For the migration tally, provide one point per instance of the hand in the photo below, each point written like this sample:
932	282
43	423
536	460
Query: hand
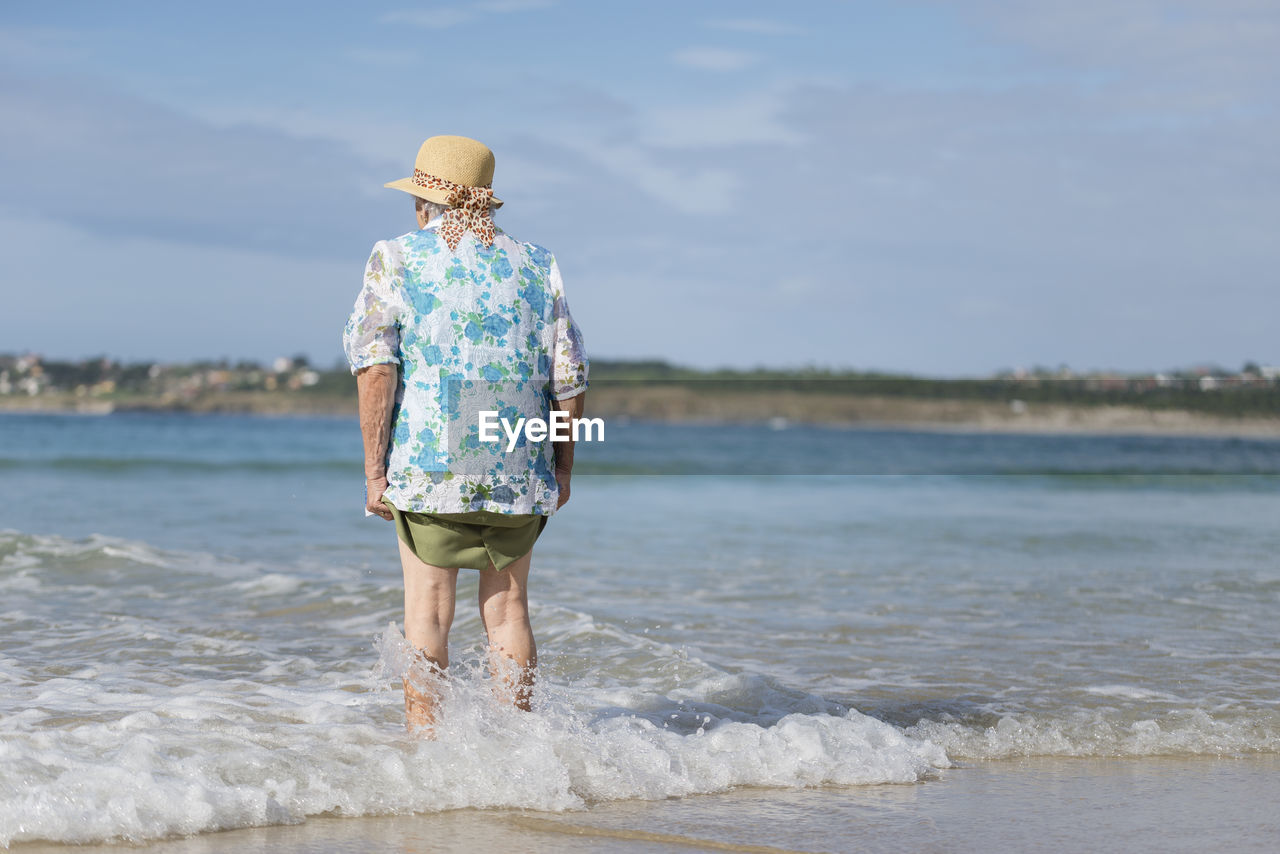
562	481
376	486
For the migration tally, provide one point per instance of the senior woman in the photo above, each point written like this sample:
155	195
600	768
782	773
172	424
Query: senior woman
457	321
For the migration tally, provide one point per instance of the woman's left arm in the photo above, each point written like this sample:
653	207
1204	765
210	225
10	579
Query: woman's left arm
371	340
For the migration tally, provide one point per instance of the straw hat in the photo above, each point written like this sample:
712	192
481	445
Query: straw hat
448	160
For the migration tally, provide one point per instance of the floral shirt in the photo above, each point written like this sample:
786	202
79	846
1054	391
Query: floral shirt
476	329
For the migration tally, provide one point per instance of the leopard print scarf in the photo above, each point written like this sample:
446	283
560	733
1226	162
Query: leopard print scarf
469	211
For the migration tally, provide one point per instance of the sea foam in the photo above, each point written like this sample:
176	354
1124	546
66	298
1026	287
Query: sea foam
217	755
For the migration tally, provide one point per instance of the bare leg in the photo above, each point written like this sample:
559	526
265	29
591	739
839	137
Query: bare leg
504	609
429	595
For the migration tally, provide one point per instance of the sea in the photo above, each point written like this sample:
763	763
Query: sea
752	637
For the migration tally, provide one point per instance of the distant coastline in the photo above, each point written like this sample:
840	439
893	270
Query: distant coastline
1200	401
684	403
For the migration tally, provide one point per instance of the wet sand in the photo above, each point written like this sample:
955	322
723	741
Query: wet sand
1095	805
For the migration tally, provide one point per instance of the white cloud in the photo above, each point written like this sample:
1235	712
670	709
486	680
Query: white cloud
42	45
141	297
428	19
382	57
1189	52
1123	167
446	17
756	26
714	58
515	5
798	286
687	190
258	188
751	119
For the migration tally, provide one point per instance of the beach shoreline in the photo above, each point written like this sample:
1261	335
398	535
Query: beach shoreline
1072	804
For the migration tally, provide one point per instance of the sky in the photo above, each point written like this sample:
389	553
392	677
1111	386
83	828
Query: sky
938	188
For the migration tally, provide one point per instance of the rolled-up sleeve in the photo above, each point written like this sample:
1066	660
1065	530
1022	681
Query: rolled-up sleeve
569	365
372	333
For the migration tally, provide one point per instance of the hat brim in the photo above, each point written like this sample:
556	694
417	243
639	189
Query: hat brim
440	197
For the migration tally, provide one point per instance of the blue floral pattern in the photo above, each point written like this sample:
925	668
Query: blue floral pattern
476	328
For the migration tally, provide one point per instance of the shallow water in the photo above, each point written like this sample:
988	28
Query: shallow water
197	620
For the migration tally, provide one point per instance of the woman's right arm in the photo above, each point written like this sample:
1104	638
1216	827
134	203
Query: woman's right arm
564	449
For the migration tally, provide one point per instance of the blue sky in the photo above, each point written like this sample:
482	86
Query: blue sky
944	188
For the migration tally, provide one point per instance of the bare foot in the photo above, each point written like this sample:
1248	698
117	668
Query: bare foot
422	687
512	683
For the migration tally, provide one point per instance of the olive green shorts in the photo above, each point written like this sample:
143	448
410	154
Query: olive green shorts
468	540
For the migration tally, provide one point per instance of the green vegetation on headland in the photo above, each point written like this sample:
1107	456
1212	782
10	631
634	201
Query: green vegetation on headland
1203	400
1251	391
